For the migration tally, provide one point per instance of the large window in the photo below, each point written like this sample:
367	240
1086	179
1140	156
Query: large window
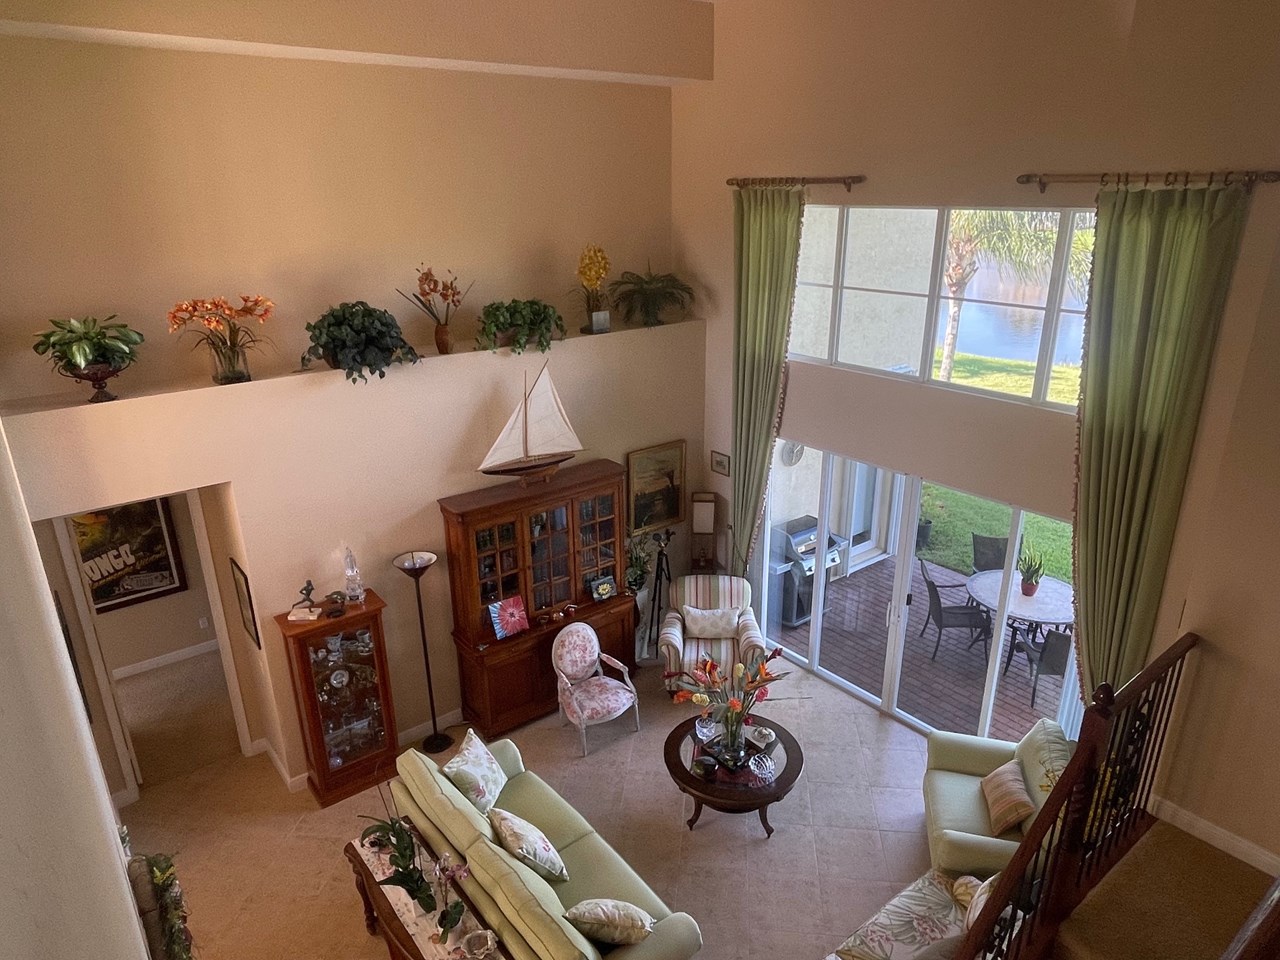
989	300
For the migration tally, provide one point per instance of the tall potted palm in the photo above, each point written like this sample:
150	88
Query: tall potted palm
1017	242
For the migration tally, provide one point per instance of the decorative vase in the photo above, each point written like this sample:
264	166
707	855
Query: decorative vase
95	374
1029	589
230	365
444	339
732	752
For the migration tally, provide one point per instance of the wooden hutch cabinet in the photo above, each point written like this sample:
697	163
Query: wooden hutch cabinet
343	693
545	543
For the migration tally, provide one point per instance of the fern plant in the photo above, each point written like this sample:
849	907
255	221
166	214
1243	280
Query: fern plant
648	294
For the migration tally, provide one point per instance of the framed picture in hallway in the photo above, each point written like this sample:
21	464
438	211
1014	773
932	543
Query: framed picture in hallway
128	553
655	487
245	600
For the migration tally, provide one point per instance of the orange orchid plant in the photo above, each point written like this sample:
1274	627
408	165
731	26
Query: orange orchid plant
225	330
727	697
437	298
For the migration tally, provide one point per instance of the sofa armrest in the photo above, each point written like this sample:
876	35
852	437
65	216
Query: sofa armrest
961	753
671	644
971	853
674	937
508	756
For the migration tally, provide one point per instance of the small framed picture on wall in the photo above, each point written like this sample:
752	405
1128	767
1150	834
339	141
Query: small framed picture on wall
245	600
720	463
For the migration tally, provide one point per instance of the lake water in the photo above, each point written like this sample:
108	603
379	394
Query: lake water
1011	333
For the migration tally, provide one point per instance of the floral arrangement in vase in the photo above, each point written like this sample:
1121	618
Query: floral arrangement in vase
728	698
439	300
225	329
593	267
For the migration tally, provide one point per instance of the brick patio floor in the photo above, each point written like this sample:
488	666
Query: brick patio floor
945	693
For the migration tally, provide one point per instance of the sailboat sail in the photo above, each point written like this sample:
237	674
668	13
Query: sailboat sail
538	431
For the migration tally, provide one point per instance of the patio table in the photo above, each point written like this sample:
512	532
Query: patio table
1052	605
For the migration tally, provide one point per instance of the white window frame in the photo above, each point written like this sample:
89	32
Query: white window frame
1053	308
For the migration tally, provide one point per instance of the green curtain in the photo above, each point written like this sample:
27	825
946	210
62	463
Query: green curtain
766	227
1162	264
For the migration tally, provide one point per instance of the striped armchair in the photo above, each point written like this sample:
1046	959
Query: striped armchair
706	592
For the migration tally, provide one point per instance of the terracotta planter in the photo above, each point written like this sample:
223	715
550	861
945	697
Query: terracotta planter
444	339
1029	589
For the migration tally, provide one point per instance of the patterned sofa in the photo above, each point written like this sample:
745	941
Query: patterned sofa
708	592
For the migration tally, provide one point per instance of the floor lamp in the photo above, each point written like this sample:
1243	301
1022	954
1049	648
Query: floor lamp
415	564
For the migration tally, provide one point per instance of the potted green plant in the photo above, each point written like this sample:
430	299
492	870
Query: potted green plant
356	338
518	323
90	350
647	295
1031	566
406	873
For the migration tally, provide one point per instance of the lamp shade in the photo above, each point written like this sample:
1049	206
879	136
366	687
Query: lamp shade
415	563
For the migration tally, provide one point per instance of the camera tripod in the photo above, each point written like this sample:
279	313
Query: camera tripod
661	571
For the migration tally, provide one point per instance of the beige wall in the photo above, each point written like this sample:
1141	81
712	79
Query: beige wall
644	38
52	775
302	486
144	631
945	105
135	178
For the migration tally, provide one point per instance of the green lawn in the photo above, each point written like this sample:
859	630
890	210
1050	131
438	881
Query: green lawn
957	516
1012	376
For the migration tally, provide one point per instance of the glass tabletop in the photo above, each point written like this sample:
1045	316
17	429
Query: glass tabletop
698	759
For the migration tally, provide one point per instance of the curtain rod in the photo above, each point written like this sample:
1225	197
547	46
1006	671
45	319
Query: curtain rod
1170	178
794	181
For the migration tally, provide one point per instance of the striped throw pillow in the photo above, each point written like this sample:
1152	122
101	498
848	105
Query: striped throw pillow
1008	802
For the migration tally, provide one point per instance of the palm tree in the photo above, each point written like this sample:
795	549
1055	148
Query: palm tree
1017	242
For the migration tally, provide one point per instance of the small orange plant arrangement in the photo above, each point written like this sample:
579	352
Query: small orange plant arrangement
439	300
727	698
225	329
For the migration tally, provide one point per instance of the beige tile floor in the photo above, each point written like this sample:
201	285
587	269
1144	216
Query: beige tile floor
265	877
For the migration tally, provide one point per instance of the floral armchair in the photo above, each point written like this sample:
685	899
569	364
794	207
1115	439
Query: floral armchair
680	650
587	696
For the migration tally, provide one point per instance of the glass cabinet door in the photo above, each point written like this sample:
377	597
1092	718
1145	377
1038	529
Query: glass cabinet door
497	561
597	538
344	678
549	553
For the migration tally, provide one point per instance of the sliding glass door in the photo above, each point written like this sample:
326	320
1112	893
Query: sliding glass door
907	593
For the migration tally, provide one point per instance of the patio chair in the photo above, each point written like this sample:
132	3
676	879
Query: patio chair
1048	658
989	552
946	616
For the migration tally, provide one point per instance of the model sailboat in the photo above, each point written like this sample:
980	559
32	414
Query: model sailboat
537	437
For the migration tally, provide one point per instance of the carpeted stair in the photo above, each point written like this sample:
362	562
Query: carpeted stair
1172	897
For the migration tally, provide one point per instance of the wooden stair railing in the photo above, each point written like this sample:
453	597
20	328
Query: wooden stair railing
1093	816
1259	938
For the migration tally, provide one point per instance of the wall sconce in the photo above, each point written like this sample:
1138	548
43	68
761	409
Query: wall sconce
704	532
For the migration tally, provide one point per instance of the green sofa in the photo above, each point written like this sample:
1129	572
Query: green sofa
524	909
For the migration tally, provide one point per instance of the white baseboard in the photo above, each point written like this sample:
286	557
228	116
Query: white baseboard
419	733
177	656
1215	836
292	784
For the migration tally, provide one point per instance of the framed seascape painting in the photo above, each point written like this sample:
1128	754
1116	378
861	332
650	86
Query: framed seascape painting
655	487
128	553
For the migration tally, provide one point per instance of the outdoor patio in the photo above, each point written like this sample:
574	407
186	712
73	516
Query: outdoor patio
945	693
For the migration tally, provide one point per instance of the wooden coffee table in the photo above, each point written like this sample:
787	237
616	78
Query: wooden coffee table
738	792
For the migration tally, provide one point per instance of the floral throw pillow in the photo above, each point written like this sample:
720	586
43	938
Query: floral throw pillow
528	844
476	773
610	921
718	624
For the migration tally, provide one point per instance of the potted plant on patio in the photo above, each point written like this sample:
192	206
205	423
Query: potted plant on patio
1031	566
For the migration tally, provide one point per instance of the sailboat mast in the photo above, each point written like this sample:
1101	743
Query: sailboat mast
524	401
